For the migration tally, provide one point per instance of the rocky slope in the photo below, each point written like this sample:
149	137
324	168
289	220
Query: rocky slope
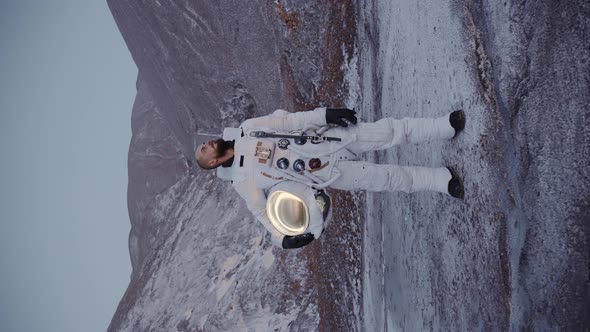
200	260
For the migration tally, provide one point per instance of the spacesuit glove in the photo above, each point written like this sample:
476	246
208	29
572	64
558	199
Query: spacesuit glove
338	115
297	241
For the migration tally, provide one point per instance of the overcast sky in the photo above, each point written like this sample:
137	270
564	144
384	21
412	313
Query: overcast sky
67	89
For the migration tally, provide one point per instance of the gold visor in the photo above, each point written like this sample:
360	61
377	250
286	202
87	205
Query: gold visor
287	213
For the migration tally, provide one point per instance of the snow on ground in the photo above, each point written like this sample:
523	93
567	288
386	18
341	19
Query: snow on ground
500	258
423	73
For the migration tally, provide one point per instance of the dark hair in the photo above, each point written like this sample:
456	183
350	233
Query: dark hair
222	147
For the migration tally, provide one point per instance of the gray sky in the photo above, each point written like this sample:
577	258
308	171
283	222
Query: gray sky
67	88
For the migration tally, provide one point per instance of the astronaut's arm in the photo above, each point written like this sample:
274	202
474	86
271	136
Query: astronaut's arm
287	121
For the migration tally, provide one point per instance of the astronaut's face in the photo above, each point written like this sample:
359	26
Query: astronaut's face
208	152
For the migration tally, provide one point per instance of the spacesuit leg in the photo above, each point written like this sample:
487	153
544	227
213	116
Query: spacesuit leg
361	175
388	132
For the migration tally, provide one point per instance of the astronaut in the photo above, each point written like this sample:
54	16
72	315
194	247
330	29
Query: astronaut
319	149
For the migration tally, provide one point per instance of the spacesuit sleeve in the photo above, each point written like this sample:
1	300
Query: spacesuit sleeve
256	202
283	120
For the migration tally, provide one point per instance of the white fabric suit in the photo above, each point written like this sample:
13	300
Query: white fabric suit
255	170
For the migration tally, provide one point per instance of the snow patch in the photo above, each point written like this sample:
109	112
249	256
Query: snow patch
268	258
352	79
202	321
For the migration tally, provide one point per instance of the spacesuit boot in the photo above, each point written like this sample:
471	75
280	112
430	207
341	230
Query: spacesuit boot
457	121
456	188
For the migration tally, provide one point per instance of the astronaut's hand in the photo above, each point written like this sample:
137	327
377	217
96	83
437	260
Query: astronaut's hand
338	115
297	241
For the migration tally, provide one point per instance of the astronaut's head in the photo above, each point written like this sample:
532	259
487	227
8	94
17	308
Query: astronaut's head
211	154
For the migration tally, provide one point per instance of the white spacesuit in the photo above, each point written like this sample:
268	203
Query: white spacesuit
260	161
